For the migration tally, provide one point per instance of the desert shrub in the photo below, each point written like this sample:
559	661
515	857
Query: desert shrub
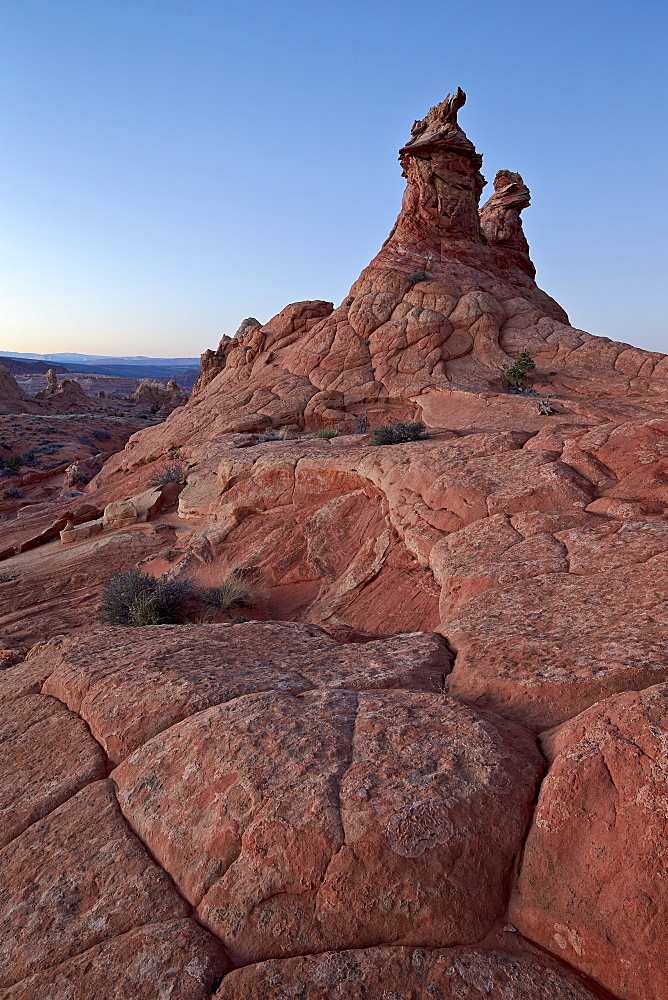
29	457
417	276
135	598
397	432
81	477
170	473
287	433
11	493
326	432
516	373
231	592
13	462
100	434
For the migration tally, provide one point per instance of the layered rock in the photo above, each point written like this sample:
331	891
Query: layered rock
500	221
161	401
213	362
12	397
600	824
349	810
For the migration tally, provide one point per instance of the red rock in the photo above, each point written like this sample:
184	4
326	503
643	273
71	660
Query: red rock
128	684
408	974
12	397
536	543
47	756
545	649
592	883
335	820
25	678
178	959
56	589
500	221
74	880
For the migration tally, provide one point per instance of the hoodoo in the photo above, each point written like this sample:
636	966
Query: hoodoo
447	508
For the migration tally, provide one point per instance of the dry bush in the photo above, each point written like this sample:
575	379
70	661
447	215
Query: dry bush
135	598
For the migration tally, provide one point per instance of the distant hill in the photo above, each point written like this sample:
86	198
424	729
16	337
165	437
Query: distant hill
17	366
183	370
140	360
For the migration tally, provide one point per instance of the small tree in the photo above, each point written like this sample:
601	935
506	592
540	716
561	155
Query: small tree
516	373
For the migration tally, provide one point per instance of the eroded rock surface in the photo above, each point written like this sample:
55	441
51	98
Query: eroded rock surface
338	797
335	820
592	886
408	974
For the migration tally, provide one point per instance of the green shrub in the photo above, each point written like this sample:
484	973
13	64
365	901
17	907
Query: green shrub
516	373
11	493
232	592
13	462
170	473
135	598
417	276
326	432
397	432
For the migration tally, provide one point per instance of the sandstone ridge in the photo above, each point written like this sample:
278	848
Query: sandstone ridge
433	762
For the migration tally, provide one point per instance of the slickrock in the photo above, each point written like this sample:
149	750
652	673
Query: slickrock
177	959
592	886
335	820
47	756
547	648
407	974
346	810
73	880
129	687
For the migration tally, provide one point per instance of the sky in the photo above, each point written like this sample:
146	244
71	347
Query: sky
170	167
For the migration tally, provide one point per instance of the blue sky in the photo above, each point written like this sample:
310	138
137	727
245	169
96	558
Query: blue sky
172	166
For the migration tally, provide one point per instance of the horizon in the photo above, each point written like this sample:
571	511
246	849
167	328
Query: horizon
174	171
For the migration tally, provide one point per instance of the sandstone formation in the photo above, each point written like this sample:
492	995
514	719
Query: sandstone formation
213	362
408	974
12	397
336	798
161	401
600	823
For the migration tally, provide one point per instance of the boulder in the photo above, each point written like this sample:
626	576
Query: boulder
408	974
129	684
592	885
76	533
335	819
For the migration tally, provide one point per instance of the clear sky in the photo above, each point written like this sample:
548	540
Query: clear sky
172	166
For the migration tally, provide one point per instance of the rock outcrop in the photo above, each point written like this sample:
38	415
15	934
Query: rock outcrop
500	220
12	397
337	798
159	400
67	396
213	362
